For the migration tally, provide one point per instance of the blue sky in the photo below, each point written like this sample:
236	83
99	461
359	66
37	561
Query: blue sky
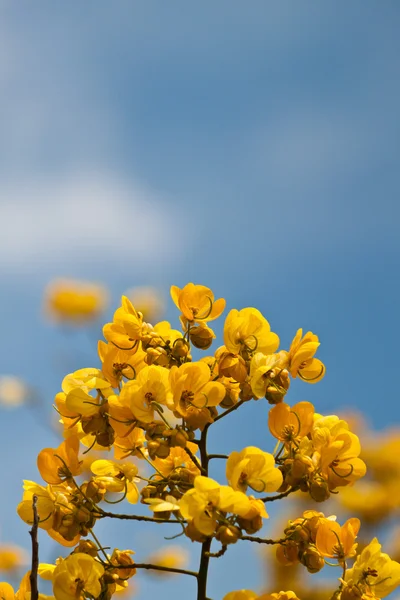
251	147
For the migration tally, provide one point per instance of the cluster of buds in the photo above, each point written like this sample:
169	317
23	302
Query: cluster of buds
299	546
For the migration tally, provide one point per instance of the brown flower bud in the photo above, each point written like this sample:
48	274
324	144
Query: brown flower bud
201	336
246	393
319	490
233	366
86	547
288	554
251	526
280	384
312	559
194	534
228	534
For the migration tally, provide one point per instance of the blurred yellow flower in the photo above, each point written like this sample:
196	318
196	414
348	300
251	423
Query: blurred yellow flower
173	557
12	557
241	595
147	300
13	391
75	302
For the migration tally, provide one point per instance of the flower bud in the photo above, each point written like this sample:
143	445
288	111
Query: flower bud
86	547
93	490
251	526
280	384
288	554
351	592
232	366
201	336
319	490
312	559
122	558
180	349
246	393
193	533
228	534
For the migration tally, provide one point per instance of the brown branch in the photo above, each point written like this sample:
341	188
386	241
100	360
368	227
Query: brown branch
154	568
260	540
227	412
211	456
194	460
135	518
35	551
279	496
221	552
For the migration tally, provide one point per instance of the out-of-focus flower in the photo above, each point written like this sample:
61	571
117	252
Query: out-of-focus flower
173	557
241	595
13	391
75	302
12	557
147	300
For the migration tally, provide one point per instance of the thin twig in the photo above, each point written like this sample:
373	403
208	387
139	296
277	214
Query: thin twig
260	540
111	515
155	568
279	496
227	412
35	552
195	460
211	456
219	553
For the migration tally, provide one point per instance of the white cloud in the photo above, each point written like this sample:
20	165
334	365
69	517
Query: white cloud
84	219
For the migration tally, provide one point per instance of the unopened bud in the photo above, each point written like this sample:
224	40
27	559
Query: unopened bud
319	490
280	384
232	366
201	336
288	554
180	349
194	534
228	534
312	559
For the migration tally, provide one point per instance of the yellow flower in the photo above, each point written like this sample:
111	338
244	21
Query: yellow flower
335	541
241	595
150	386
76	302
246	331
148	301
253	468
127	327
116	477
204	501
374	571
196	302
288	424
57	464
173	557
264	368
301	361
191	387
45	504
178	458
6	591
76	577
12	557
336	451
119	363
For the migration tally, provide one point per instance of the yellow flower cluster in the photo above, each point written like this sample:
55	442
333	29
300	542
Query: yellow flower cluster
151	404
